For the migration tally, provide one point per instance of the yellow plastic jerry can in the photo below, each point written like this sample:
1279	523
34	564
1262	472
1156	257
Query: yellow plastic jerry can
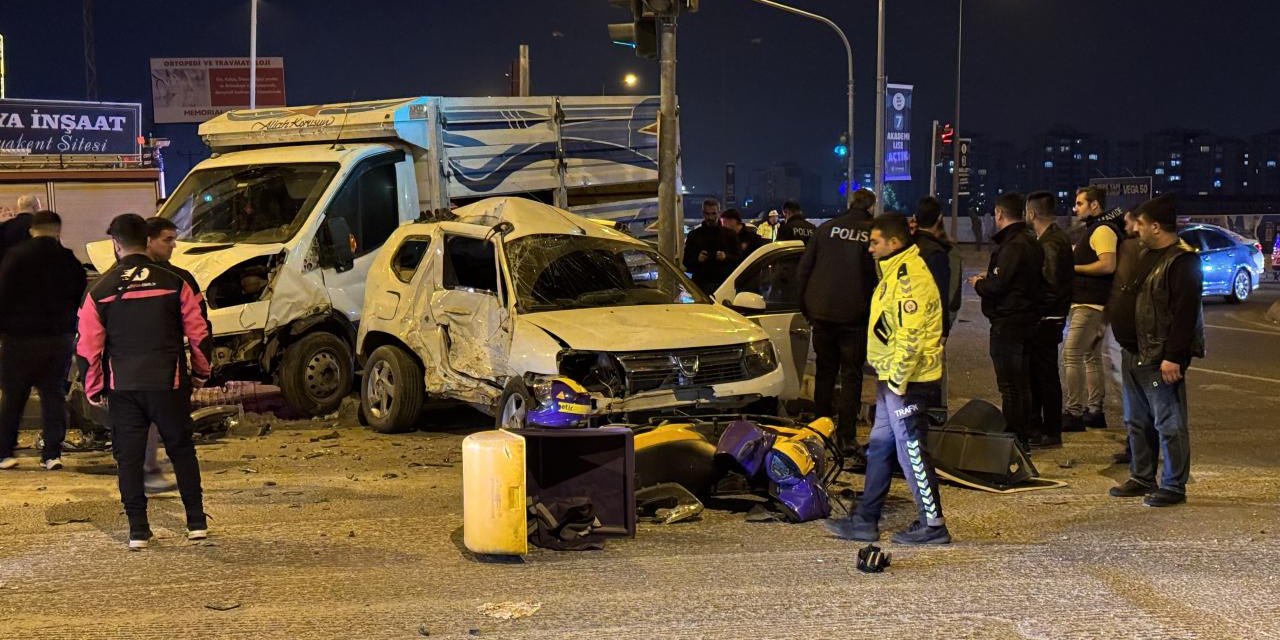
494	519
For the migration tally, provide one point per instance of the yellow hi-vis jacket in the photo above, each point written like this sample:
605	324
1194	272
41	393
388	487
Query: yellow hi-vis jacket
904	343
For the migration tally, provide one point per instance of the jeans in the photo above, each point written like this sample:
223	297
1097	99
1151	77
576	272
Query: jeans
1046	386
841	351
1156	415
40	362
899	432
1082	361
1010	354
1111	360
131	415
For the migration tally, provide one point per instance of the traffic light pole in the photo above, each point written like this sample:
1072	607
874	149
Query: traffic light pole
933	163
670	222
849	170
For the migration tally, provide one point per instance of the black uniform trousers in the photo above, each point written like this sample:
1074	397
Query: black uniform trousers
131	414
841	351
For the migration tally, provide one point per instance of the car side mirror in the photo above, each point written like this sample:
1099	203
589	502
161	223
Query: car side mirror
336	251
748	300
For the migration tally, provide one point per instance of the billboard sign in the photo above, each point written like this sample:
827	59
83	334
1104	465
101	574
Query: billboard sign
730	184
897	132
1125	193
55	127
197	89
963	149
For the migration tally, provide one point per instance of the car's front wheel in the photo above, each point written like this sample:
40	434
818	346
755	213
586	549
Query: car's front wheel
1241	287
514	405
392	393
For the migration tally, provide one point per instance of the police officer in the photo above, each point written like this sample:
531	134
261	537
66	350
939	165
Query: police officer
132	357
796	227
905	349
836	277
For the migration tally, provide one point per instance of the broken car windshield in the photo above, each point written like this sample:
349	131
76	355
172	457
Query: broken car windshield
256	204
555	272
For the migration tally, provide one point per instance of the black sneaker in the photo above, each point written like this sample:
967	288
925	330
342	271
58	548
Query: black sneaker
918	533
853	527
1164	498
1131	489
1072	422
1094	420
1042	441
139	536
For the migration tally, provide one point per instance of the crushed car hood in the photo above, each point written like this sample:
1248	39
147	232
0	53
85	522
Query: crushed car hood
647	327
204	261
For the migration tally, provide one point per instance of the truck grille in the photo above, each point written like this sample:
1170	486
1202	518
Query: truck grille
655	370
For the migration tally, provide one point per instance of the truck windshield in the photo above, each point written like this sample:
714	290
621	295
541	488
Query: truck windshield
554	272
256	204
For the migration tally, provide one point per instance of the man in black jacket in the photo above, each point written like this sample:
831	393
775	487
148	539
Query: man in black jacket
836	279
936	251
748	239
710	250
1011	292
796	227
40	287
132	356
1059	272
1159	322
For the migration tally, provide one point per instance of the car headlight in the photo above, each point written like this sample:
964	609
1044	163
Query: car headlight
760	358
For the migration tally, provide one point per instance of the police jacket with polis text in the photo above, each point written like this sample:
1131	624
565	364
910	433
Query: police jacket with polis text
837	274
132	326
796	228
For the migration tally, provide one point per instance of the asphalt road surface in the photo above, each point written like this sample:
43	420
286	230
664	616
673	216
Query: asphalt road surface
358	535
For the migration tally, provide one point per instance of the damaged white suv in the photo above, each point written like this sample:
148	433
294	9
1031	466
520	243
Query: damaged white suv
489	307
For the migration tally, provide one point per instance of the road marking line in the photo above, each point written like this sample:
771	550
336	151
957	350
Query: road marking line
1235	375
1219	326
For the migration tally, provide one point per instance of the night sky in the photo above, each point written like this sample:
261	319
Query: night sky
756	85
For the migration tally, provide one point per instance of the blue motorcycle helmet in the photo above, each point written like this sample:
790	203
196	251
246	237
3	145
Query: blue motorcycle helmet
562	403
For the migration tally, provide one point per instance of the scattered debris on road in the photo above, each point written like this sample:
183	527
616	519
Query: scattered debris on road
222	606
508	610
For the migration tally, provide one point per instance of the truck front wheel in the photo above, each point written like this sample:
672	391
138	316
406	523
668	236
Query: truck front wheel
316	373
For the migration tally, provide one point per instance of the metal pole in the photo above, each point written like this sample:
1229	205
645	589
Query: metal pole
670	222
253	54
955	127
524	70
879	162
933	163
849	170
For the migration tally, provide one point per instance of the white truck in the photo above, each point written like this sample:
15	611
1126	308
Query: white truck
280	226
497	303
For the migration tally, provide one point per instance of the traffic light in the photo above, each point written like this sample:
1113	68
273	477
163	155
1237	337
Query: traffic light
842	147
641	33
946	134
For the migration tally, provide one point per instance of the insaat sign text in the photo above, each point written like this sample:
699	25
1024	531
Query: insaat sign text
52	127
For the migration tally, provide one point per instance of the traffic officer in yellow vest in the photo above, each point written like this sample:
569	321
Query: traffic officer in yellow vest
905	348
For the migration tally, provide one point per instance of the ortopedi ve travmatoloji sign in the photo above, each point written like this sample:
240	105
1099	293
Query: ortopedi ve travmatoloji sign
52	127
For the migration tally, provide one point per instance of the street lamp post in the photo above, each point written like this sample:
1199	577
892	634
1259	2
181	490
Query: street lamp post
253	54
955	125
880	107
849	173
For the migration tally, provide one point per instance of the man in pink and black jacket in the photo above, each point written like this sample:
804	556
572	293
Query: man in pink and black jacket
132	355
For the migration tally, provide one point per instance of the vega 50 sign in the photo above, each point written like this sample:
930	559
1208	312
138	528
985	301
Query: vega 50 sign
53	127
